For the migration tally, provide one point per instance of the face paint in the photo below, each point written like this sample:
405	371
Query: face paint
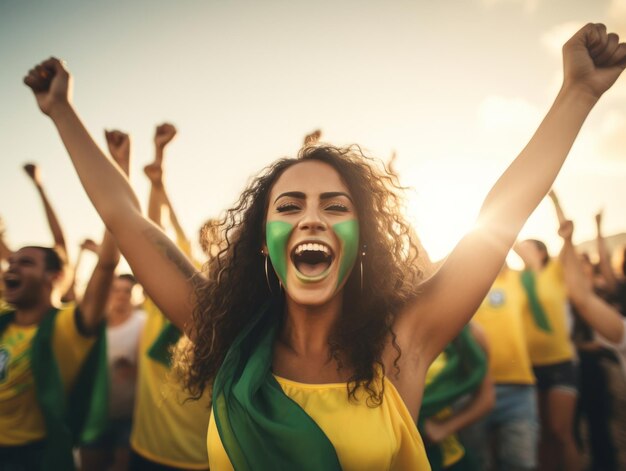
276	236
348	233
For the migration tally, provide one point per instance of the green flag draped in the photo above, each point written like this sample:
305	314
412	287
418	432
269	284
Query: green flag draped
465	368
527	278
261	428
161	349
83	416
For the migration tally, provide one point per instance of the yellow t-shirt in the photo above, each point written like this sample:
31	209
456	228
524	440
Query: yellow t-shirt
165	429
365	438
21	420
500	316
548	348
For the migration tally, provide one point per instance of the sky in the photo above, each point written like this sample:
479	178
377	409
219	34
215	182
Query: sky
455	88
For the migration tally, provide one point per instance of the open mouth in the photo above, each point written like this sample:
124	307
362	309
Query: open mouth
11	283
312	259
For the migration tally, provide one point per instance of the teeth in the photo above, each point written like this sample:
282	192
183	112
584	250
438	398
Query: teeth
312	247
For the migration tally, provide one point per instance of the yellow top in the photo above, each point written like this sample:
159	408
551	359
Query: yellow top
21	420
166	429
548	348
365	438
500	316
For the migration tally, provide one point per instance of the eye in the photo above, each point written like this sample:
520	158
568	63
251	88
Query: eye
338	207
286	207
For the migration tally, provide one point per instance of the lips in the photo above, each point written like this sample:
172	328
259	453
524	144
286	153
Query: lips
12	282
312	259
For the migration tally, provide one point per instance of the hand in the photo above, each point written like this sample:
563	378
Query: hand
566	230
90	245
599	218
593	59
51	83
312	138
164	134
119	147
154	172
33	172
434	431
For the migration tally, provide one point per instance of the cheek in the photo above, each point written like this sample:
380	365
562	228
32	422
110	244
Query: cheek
348	234
276	237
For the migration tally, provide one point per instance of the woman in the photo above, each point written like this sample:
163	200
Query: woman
275	368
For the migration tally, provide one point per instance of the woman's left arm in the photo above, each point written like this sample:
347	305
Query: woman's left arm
592	60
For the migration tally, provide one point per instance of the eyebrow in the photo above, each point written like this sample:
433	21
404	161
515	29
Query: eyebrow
324	196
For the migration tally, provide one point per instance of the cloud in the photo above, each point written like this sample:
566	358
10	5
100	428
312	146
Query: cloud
529	6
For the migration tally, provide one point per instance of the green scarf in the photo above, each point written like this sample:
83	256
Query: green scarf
161	349
261	428
465	368
527	278
84	415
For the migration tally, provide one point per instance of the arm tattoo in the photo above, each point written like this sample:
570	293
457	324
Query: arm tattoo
171	252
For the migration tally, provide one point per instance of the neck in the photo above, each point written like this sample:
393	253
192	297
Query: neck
306	329
32	315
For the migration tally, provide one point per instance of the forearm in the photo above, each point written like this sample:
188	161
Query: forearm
605	263
577	284
480	405
53	221
180	233
155	204
522	186
94	301
107	188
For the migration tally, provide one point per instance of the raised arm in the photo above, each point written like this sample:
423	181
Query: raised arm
53	221
602	317
5	251
592	61
604	258
160	267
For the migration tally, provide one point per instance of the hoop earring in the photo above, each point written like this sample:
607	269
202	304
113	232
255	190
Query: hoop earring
363	253
267	278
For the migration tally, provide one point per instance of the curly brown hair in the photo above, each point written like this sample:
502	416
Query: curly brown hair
237	286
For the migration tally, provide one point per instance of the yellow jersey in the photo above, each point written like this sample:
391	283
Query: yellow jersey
500	316
166	429
548	348
21	420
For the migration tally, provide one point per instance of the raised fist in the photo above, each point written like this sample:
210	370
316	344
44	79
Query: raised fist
33	172
593	59
164	134
154	172
119	147
566	230
51	83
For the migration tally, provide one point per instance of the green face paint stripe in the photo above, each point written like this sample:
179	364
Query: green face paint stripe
276	237
348	233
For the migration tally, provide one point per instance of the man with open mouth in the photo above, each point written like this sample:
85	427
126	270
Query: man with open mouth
46	352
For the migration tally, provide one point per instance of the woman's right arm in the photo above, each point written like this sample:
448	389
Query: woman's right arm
158	264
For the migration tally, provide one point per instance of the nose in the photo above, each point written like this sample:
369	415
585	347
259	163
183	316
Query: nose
312	220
